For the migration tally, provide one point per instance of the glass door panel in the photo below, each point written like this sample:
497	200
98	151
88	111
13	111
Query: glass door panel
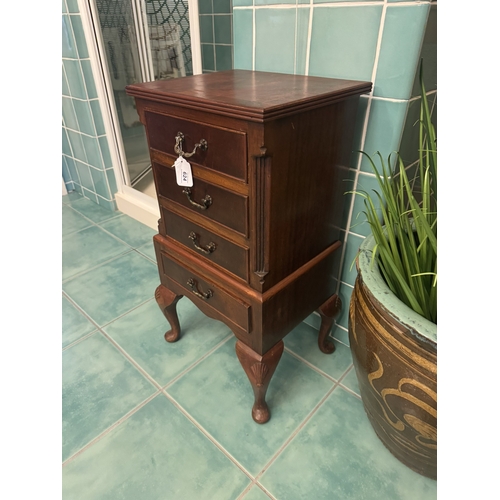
143	40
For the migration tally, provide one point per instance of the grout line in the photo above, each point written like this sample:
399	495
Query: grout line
125	313
132	361
81	339
110	428
259	486
81	273
207	435
309	36
310	365
197	362
293	435
253	37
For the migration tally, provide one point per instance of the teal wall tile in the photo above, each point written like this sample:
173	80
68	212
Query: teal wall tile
90	195
223	57
75	78
207	29
99	179
78	150
335	1
111	181
107	204
243	38
68	113
222	6
93	152
222	29
344	41
65	171
68	42
84	115
367	183
65	87
408	148
89	79
208	57
351	250
64	6
81	44
242	3
429	55
97	117
66	148
72	6
347	179
274	2
72	169
385	125
301	40
345	292
399	53
275	40
359	131
84	173
106	156
205	6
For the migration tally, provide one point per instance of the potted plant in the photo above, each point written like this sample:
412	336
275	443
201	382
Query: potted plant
393	308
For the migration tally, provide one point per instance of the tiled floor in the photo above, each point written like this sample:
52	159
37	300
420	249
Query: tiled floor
147	420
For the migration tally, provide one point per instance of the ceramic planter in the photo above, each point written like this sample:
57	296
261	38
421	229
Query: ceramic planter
394	352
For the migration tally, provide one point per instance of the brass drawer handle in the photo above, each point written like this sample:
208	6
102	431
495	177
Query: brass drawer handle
205	202
192	283
203	145
208	249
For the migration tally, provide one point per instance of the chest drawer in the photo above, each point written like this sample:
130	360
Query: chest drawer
223	206
212	295
226	151
215	248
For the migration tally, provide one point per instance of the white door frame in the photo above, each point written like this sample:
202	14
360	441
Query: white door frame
129	200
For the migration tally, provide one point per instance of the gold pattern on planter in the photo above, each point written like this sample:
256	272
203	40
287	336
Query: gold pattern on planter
397	376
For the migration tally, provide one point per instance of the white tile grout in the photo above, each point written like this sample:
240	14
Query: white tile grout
207	435
110	428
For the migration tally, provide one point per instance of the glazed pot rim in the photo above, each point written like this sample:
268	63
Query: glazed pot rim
376	284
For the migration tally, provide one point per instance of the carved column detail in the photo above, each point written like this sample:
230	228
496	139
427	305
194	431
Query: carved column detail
262	205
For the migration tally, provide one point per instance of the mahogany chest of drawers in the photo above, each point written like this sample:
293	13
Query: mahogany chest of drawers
254	242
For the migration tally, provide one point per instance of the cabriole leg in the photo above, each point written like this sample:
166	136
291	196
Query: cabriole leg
167	300
259	370
328	311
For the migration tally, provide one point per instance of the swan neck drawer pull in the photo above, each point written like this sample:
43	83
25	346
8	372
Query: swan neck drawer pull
208	249
205	202
203	295
179	138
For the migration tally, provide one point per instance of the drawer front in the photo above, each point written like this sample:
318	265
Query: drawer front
215	248
211	294
225	207
226	152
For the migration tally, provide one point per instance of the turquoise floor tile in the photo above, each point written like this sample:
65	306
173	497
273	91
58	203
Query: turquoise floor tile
351	381
337	455
99	386
112	289
129	230
91	210
303	341
140	334
72	221
218	395
74	324
88	248
155	454
148	250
